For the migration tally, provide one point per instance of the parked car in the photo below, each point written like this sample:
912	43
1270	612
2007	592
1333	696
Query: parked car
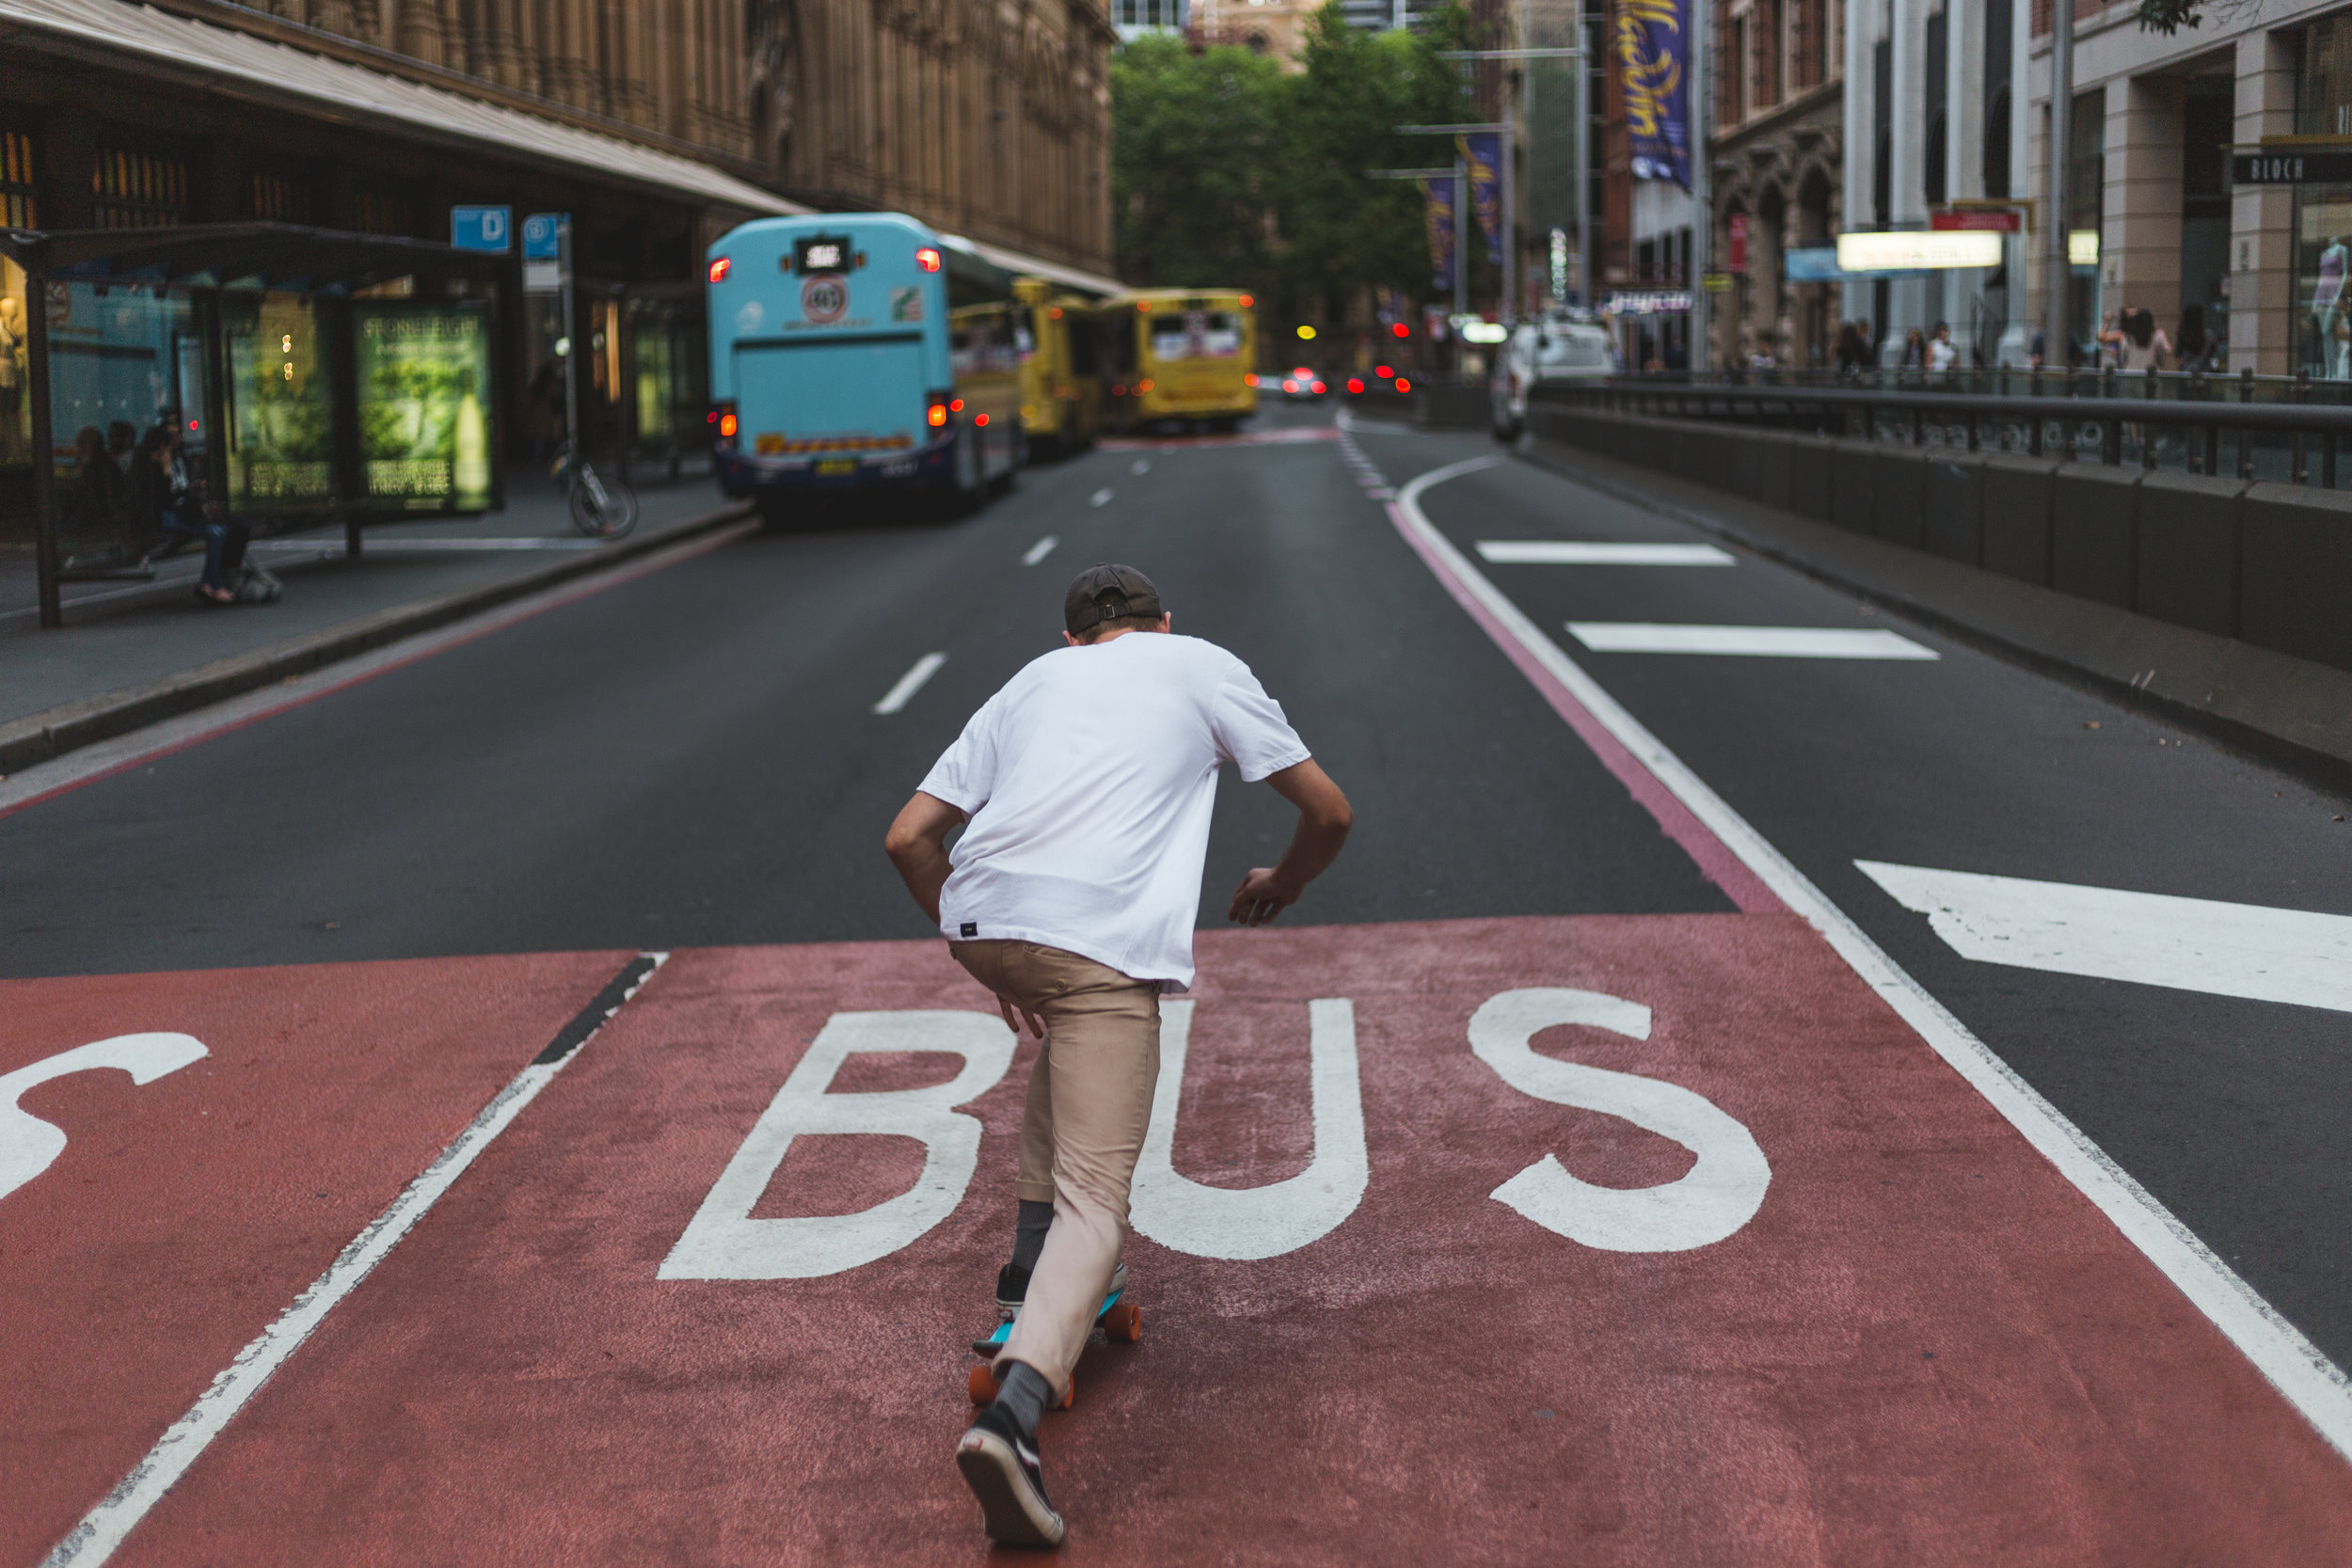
1301	385
1557	348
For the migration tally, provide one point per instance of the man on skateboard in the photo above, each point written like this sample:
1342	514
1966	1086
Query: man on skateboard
1088	784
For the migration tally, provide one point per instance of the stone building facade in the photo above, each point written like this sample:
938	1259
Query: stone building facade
1776	157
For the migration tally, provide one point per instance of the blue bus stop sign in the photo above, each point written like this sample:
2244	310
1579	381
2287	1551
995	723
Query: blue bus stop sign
543	237
490	229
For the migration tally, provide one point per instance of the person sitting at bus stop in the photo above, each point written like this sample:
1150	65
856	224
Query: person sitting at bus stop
173	499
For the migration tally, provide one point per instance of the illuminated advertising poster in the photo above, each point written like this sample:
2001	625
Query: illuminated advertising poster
281	448
424	393
1653	46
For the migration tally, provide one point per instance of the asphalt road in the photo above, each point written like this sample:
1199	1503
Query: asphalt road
694	759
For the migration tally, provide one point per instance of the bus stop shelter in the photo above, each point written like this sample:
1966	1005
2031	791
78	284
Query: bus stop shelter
316	374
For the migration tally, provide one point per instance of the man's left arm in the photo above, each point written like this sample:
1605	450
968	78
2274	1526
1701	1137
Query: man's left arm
917	846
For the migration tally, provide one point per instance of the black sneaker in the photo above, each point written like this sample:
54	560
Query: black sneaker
1012	1285
1001	1467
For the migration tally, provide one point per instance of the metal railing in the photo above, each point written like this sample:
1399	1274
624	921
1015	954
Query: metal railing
2185	423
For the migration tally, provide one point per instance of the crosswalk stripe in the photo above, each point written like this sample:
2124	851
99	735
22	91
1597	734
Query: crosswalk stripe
1647	637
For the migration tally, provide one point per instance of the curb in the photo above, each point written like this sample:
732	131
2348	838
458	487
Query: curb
46	735
2317	764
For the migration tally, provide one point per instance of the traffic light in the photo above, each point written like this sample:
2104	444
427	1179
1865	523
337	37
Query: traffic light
1401	331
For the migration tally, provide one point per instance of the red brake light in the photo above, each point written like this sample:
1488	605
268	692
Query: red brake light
1315	386
980	420
1403	384
1402	330
938	414
955	405
1118	392
1290	386
927	258
726	427
1354	384
719	268
1382	372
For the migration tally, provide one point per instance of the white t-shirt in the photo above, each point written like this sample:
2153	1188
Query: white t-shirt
1088	780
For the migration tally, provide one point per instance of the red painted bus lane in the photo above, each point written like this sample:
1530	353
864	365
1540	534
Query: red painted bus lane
157	1225
1839	1313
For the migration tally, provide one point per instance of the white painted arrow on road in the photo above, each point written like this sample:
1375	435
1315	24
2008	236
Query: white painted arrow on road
2151	939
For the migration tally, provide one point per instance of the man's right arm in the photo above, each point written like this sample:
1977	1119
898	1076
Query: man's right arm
917	846
1324	819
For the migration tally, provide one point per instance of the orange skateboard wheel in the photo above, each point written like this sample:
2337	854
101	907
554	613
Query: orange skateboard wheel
982	1385
1124	1323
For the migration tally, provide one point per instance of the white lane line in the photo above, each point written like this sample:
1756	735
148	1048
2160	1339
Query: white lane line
1580	552
910	683
1100	498
106	1527
1141	466
1039	550
1647	637
2315	1385
2150	938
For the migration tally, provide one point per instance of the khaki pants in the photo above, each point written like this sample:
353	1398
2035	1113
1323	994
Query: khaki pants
1089	1103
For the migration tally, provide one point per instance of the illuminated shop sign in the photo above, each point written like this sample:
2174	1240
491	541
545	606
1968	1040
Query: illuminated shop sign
1917	249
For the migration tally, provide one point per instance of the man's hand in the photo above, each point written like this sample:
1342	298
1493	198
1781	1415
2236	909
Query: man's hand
1006	1006
1324	819
917	846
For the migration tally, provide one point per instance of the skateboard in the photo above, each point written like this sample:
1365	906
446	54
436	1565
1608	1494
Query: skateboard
1118	1319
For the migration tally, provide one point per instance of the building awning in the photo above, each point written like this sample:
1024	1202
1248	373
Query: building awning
285	256
259	71
1052	272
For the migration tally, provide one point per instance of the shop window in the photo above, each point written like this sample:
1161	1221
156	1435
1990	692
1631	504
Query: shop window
276	199
17	207
2322	311
2323	96
138	190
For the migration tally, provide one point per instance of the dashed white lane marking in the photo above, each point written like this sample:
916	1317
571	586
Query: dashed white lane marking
1039	550
1141	466
2310	1382
2150	938
910	683
1578	552
1647	637
1100	498
106	1527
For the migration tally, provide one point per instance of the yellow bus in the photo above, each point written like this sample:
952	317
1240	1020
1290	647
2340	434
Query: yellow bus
1061	393
1179	356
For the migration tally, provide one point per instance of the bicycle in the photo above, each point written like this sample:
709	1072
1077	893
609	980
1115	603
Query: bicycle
601	508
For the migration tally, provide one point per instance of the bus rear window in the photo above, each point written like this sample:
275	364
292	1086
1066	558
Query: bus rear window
1198	335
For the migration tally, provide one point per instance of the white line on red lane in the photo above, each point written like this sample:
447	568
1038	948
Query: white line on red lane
2315	1385
1650	637
89	764
910	683
106	1527
2149	938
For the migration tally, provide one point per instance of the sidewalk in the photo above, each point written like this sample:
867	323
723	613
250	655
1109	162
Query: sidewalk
126	640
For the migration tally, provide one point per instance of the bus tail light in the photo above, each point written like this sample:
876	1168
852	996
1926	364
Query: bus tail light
1246	301
1144	386
722	419
719	268
1119	391
927	258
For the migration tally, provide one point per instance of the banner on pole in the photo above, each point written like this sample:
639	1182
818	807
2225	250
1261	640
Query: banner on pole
1482	154
1653	46
1438	217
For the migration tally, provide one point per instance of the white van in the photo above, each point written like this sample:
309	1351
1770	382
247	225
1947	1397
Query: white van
1553	349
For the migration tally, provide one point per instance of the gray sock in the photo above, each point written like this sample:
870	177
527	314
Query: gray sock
1029	1237
1023	1394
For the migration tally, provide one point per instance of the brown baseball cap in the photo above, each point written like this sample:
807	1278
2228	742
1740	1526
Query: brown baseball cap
1107	593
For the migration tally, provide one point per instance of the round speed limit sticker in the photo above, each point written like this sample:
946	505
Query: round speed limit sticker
823	298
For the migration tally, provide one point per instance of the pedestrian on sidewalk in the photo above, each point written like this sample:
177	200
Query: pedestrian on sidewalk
178	505
1088	783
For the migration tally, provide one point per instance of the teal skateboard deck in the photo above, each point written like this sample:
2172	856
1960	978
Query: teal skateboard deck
1118	1319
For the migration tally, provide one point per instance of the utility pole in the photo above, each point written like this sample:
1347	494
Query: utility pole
1700	121
571	343
2057	343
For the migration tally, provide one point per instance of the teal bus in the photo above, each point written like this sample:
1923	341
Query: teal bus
860	350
